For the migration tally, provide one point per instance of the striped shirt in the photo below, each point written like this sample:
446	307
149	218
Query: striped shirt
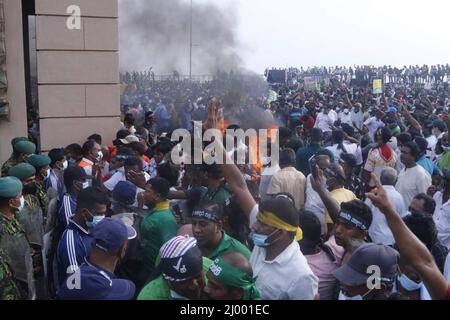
66	210
74	246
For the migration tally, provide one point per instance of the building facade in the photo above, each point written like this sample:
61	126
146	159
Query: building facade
76	66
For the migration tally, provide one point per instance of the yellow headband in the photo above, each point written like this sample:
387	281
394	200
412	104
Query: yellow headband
272	220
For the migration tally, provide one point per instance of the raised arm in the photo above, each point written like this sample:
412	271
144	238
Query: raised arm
331	205
411	119
231	172
410	247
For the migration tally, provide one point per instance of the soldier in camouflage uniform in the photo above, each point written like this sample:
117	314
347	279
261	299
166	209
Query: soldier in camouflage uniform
21	150
16	255
41	164
30	217
8	286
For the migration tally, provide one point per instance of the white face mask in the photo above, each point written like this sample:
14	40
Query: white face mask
47	174
21	205
343	296
100	156
408	284
65	165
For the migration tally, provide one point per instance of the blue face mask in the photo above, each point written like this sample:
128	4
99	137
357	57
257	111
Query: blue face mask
95	220
408	284
260	240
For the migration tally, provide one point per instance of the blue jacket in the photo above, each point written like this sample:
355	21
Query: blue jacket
74	246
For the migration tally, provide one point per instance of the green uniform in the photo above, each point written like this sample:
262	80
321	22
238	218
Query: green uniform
32	221
158	227
41	194
15	245
11	162
229	244
159	290
8	287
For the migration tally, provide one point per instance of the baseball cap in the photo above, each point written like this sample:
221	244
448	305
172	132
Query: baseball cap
124	192
111	234
358	268
97	284
391	110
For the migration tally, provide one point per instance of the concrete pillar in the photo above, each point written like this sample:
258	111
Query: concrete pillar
78	72
17	124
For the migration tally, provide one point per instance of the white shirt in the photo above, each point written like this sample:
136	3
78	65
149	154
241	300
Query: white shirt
442	219
117	177
357	118
314	204
351	148
411	182
323	122
266	176
432	140
346	118
373	124
287	277
379	230
333	116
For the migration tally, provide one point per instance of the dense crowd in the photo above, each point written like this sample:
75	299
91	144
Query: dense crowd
361	188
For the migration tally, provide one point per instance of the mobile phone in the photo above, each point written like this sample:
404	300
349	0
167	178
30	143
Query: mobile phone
313	166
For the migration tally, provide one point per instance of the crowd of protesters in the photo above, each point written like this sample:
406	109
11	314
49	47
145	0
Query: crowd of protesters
406	74
361	187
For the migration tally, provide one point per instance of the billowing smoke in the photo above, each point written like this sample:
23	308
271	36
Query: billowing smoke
155	33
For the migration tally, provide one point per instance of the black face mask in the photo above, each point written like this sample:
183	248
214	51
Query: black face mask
30	188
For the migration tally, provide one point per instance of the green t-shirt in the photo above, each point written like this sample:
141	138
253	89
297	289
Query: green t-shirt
158	288
157	228
229	244
444	163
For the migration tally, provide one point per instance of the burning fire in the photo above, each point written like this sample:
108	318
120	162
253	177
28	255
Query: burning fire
223	125
255	151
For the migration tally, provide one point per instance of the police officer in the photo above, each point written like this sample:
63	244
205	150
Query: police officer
13	241
95	279
22	148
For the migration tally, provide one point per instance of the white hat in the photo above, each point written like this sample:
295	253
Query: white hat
129	139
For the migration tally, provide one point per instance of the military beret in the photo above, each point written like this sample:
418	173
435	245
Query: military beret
39	160
25	147
22	171
18	139
10	187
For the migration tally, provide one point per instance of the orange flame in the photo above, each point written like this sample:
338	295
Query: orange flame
223	125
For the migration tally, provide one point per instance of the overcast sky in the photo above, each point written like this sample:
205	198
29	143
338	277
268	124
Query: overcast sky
330	32
282	33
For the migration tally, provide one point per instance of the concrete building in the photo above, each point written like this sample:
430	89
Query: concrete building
70	76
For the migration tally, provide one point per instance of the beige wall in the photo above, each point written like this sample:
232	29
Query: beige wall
78	72
17	126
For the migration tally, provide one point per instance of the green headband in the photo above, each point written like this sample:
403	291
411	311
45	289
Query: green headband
233	277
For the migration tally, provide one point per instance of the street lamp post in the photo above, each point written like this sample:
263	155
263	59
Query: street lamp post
190	47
